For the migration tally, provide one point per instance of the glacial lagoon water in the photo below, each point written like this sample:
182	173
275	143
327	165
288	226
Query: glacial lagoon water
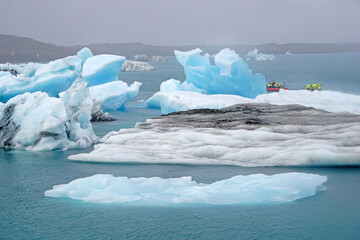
25	213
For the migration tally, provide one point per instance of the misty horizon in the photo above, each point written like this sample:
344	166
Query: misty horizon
174	23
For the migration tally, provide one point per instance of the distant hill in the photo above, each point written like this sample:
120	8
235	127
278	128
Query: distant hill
20	49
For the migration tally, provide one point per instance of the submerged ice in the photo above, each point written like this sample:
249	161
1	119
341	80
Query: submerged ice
251	189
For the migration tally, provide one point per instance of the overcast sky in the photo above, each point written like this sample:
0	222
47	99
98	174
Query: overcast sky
170	22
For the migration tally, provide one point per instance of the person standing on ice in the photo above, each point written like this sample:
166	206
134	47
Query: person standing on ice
314	86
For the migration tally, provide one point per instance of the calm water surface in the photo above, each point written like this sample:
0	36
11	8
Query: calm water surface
333	214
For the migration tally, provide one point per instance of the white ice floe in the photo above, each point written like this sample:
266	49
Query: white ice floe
281	145
288	52
35	121
251	189
255	55
326	100
134	66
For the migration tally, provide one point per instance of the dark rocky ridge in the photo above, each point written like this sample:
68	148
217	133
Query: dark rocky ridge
250	116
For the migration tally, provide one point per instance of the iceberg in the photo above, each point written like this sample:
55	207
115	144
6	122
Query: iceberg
247	135
255	55
129	66
288	52
52	78
102	69
100	72
229	75
141	57
326	100
238	190
114	95
35	121
159	59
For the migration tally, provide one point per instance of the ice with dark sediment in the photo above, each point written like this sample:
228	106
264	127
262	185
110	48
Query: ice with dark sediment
181	100
134	66
37	122
243	135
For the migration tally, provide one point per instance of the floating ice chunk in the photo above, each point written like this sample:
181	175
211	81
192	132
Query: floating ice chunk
141	57
159	59
251	189
129	66
255	55
114	95
102	69
35	121
230	75
326	100
288	52
84	54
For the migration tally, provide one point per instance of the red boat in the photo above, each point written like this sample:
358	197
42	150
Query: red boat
275	87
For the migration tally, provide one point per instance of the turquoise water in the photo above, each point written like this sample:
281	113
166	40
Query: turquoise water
333	214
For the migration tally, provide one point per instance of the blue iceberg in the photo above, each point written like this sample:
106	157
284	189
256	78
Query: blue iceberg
229	74
100	72
102	69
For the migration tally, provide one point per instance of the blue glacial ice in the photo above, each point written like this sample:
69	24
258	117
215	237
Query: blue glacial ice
57	76
238	190
37	122
229	75
84	54
102	69
52	78
115	94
